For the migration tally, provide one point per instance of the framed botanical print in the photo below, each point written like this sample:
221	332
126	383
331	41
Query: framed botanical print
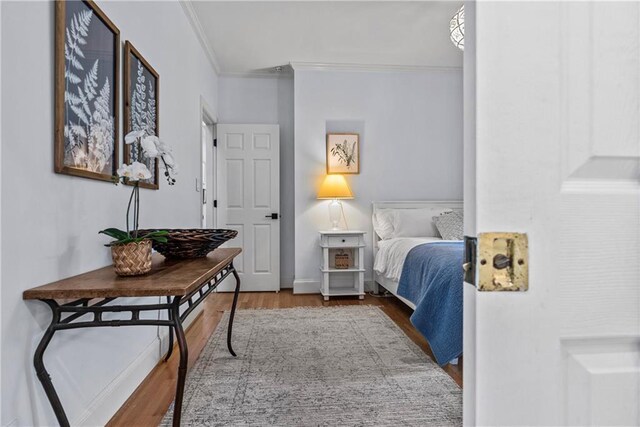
141	103
87	55
343	153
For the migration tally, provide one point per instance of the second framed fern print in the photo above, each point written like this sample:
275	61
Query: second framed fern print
141	102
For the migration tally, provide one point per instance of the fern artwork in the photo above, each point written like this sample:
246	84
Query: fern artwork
141	84
87	56
343	153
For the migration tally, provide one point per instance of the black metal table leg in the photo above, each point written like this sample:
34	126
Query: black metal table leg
79	314
233	310
41	371
184	359
168	355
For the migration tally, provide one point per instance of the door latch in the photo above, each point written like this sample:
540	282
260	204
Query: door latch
470	257
503	262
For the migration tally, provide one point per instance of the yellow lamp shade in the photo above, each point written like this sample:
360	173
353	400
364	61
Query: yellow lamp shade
335	187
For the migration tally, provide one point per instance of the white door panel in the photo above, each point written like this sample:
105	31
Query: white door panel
249	169
558	157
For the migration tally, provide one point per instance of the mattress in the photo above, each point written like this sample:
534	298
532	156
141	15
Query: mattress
392	253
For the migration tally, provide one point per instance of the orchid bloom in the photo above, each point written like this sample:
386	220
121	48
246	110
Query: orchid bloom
132	136
139	171
134	172
150	146
124	171
163	147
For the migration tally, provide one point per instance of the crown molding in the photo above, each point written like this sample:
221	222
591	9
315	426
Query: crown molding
189	11
258	74
325	66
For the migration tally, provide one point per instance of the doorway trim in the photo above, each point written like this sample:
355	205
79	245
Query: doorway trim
208	118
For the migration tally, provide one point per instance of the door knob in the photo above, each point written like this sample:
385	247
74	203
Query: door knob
272	216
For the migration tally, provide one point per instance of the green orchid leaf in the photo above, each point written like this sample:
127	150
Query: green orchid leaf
115	233
156	233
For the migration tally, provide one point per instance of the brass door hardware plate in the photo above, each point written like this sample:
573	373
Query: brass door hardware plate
503	262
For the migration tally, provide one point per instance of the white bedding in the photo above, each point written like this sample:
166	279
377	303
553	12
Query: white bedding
392	253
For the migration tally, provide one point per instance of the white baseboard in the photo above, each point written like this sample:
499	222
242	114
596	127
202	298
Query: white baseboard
306	286
309	286
111	399
107	403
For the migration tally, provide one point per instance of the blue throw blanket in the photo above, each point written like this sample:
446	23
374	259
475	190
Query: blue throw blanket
432	279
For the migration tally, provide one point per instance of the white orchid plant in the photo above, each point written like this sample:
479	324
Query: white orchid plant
150	147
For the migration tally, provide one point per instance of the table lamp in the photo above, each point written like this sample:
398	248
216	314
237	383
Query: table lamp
335	188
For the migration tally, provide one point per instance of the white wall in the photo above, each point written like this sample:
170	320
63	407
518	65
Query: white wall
410	126
267	100
50	222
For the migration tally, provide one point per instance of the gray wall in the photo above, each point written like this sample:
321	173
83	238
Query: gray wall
50	222
267	100
410	126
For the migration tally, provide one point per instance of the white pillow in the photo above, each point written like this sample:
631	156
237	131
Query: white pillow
383	223
416	222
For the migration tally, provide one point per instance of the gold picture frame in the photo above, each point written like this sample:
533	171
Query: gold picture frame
343	153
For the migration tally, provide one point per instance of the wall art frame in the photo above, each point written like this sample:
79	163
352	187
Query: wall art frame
87	87
141	107
343	153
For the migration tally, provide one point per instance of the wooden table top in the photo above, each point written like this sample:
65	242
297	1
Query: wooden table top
168	277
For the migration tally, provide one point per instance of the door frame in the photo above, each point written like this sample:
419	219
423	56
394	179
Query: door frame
469	200
208	118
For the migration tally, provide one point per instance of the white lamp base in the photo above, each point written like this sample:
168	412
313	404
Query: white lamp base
335	213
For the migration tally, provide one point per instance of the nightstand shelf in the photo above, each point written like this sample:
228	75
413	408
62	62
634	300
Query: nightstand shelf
342	281
342	270
340	292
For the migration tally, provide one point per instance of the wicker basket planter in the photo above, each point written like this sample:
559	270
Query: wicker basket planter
191	242
132	259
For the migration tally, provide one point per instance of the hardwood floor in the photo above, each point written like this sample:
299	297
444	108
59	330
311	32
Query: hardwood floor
148	404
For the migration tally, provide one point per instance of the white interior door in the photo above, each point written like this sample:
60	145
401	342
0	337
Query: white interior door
557	127
249	201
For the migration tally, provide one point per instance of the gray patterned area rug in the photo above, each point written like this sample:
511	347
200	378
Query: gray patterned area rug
328	366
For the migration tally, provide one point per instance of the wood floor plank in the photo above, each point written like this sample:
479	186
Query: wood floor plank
151	400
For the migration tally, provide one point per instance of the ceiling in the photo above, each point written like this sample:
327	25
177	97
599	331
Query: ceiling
256	36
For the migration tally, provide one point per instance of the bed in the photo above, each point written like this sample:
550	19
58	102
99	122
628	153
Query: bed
413	262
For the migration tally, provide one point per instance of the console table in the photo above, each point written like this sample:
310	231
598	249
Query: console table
81	301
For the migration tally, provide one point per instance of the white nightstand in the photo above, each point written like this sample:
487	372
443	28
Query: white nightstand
342	281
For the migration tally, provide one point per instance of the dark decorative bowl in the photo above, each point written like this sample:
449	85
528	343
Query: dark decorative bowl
191	243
